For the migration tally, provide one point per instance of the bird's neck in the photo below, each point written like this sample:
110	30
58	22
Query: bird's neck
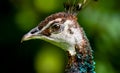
82	61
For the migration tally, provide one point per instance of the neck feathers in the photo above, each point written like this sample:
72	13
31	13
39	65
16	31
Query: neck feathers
82	61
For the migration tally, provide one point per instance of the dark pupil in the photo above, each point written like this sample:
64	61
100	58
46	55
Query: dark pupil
55	27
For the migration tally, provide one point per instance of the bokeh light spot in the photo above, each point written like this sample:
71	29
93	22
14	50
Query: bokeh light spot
49	60
25	20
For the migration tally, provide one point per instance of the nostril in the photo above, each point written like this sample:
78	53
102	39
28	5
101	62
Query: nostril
34	31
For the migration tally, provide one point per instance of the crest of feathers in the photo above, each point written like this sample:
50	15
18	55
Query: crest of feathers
74	6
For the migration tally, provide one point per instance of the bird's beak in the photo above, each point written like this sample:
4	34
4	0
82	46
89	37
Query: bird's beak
26	37
31	34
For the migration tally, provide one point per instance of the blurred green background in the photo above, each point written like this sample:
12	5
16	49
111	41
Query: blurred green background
100	20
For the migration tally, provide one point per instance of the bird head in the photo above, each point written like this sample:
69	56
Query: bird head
60	29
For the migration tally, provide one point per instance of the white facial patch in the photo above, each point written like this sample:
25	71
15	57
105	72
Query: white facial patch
68	40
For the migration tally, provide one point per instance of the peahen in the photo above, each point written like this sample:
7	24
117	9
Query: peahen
63	30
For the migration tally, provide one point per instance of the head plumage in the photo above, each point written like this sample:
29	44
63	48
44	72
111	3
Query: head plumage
74	6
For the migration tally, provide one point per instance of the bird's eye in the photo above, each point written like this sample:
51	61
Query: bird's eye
55	28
